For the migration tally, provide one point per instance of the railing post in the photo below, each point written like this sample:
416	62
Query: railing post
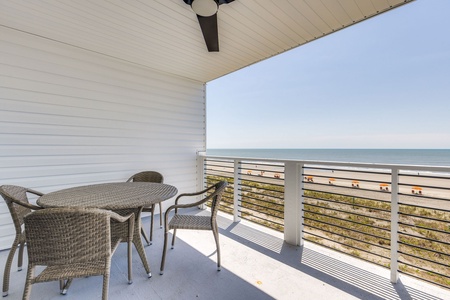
302	203
394	225
201	173
292	203
237	196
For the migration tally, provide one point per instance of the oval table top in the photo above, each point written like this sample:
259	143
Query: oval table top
111	196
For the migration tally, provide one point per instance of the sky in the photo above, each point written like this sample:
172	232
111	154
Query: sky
382	83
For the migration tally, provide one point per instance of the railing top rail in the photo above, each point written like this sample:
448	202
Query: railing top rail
335	163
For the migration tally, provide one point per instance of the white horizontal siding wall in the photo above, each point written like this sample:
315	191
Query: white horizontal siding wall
71	117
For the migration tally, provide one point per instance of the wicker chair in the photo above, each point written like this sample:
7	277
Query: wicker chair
149	176
17	201
71	243
180	221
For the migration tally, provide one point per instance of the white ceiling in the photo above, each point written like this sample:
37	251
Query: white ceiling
165	35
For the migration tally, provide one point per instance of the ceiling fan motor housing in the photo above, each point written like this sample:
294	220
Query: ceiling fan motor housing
206	11
205	8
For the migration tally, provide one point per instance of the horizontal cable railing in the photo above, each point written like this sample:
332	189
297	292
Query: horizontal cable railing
259	188
424	226
221	170
396	216
348	210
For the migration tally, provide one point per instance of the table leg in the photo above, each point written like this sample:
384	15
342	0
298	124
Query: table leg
119	230
138	243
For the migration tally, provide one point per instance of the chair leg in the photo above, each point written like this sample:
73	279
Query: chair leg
151	223
6	273
130	271
64	285
105	286
20	258
173	237
28	280
216	238
163	259
160	216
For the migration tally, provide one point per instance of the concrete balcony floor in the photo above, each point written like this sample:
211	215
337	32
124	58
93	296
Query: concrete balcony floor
256	264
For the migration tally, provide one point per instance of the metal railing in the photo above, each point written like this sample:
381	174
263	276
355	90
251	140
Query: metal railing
396	216
424	226
259	190
348	210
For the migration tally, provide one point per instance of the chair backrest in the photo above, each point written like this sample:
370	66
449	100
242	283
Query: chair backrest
14	197
147	176
59	236
216	197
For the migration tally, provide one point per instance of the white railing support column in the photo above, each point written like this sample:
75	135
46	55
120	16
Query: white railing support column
201	173
237	197
292	203
302	205
394	225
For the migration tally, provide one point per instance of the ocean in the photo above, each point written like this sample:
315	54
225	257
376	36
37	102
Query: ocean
428	157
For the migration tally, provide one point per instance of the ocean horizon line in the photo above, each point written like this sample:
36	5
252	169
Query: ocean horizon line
415	156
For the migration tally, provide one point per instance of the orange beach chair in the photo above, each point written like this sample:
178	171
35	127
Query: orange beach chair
416	190
384	187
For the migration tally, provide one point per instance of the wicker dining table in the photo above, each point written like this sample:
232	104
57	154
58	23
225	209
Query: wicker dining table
121	197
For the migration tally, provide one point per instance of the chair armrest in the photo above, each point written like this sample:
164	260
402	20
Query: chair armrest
193	194
27	205
122	219
35	192
119	218
188	205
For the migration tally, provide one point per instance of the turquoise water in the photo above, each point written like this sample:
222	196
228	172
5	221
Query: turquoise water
430	157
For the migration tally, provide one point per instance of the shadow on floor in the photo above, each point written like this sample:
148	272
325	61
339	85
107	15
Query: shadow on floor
188	275
341	275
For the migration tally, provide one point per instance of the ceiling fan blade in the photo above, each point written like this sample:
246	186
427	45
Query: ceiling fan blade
223	1
210	32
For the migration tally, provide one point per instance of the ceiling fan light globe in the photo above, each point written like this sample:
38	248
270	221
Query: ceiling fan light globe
205	8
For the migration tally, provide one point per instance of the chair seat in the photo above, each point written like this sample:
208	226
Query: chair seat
190	222
75	270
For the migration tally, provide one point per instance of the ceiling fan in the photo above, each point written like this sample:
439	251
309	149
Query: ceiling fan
206	11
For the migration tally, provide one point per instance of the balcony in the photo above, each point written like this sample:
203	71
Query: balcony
335	237
257	264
